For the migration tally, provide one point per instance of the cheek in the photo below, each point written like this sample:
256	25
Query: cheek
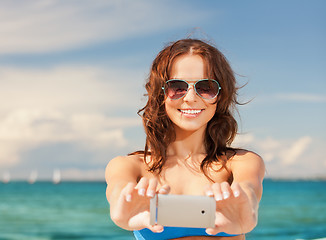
212	109
171	106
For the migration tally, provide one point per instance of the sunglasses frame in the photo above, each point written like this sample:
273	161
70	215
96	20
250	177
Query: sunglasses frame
200	80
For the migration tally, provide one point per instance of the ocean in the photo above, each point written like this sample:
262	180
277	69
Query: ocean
289	210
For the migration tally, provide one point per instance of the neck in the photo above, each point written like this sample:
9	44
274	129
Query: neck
187	144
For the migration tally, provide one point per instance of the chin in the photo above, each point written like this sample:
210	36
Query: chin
190	127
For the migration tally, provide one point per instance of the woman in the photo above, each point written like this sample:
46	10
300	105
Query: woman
189	127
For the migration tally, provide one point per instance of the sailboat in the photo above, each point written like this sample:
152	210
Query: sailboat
56	176
32	178
6	177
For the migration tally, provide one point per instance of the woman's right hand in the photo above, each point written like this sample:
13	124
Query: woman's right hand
131	211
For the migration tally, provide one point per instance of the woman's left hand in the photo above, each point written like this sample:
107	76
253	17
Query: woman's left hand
235	213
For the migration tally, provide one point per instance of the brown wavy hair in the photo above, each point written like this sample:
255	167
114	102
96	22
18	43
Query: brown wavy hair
221	129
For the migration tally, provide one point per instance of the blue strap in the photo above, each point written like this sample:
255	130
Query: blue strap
175	232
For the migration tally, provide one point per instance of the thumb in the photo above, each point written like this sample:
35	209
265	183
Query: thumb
156	228
164	189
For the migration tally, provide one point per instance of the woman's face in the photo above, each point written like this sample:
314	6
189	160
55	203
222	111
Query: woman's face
191	112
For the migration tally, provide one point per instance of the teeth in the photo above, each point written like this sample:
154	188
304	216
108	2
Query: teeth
191	111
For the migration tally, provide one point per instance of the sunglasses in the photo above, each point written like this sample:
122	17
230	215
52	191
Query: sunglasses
205	88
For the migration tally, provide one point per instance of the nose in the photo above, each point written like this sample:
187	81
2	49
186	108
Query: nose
191	95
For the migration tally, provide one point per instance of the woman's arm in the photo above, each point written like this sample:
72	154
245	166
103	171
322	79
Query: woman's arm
121	173
129	199
248	171
237	205
118	173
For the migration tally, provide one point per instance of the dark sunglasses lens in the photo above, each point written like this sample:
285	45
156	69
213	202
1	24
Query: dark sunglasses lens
207	89
176	89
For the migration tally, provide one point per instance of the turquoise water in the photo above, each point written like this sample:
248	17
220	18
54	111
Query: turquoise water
78	210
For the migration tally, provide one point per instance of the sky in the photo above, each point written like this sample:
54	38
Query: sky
72	77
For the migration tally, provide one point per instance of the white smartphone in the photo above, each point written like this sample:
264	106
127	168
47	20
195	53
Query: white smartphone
183	211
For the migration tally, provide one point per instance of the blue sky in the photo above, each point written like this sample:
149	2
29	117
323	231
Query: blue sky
72	76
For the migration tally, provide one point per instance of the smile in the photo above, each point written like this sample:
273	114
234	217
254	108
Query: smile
190	111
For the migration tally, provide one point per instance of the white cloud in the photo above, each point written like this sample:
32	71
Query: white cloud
290	155
22	130
301	97
77	88
65	104
290	97
41	26
288	158
267	147
243	140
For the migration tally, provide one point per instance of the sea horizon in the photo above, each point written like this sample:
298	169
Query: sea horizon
289	210
99	180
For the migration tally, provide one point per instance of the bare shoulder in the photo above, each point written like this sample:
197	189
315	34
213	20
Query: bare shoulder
242	156
127	161
245	155
124	166
247	162
248	169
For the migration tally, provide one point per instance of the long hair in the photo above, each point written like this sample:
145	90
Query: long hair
221	129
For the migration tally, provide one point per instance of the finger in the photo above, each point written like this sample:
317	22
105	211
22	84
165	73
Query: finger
236	189
212	231
156	228
127	191
226	190
165	189
142	186
152	185
216	187
209	191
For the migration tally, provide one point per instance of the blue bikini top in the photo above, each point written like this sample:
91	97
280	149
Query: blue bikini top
175	232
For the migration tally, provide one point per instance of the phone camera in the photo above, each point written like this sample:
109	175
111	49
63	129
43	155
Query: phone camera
202	211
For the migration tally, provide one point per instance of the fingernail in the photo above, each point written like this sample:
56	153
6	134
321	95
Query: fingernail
209	193
208	232
226	195
236	193
218	197
150	193
128	198
163	191
141	192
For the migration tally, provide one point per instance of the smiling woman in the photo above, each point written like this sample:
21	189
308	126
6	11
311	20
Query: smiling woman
190	60
189	128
